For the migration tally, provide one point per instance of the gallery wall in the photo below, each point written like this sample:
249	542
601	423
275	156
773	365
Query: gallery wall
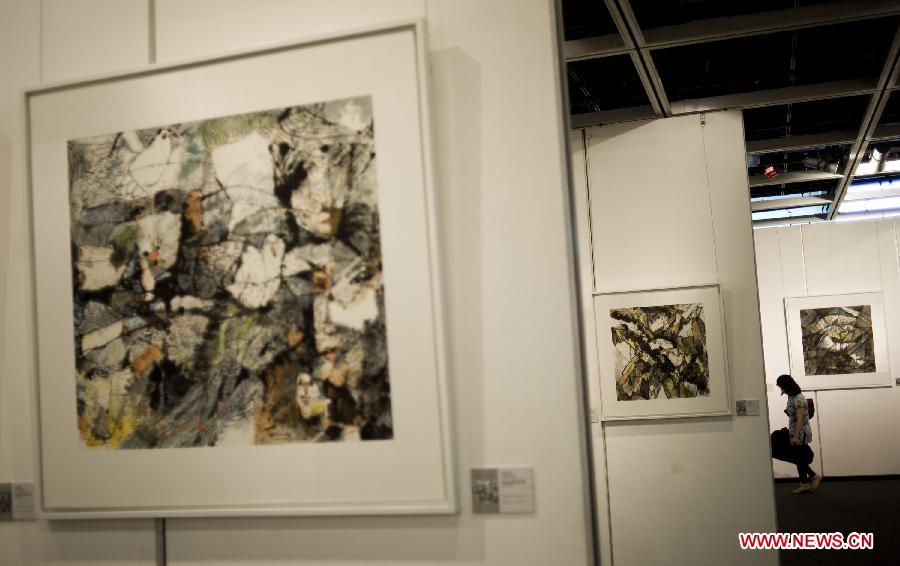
663	204
501	206
851	425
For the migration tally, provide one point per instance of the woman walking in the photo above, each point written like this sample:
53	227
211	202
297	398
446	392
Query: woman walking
800	433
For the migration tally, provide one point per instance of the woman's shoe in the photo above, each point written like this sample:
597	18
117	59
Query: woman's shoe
804	488
814	483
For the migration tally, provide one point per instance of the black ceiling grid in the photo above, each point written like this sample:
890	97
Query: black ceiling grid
608	83
663	13
586	18
842	52
815	78
874	111
806	118
891	114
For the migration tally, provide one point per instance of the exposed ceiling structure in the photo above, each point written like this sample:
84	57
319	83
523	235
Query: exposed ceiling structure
818	82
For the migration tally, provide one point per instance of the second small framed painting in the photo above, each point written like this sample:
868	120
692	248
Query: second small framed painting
661	354
838	341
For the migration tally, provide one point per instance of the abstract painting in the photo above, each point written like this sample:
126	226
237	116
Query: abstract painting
237	286
228	281
838	340
660	352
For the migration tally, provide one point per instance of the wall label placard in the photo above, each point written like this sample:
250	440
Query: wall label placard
747	407
502	490
17	502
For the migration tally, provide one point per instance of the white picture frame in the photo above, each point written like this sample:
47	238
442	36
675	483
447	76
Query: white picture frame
794	307
413	472
718	399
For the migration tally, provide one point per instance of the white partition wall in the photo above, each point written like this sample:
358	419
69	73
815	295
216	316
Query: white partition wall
853	425
42	42
668	208
505	256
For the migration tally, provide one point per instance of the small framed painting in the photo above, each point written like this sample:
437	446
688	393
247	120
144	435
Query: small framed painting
838	341
661	354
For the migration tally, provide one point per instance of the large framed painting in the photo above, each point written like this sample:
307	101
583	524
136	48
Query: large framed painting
661	354
838	341
237	286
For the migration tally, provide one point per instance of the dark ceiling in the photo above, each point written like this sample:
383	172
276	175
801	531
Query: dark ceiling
652	14
815	79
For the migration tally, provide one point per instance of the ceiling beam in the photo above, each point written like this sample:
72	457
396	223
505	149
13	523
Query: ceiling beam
650	81
792	202
630	20
792	143
787	220
656	82
631	33
595	47
774	97
886	132
713	29
607	117
792	177
889	74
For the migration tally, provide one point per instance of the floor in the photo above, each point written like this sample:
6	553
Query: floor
845	506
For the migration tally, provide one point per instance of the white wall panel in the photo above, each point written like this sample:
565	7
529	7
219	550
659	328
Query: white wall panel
723	142
33	543
669	208
19	64
79	543
838	257
580	176
651	227
841	257
771	304
505	266
19	53
793	271
89	37
723	137
858	429
680	491
857	426
771	281
19	46
198	28
889	256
